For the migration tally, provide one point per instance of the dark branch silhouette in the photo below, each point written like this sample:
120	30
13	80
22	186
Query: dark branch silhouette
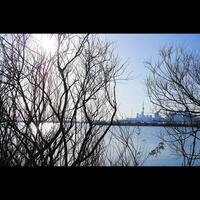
49	103
174	88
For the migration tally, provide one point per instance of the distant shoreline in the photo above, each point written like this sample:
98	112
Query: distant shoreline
118	123
154	124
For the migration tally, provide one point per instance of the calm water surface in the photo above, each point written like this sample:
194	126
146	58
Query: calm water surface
149	139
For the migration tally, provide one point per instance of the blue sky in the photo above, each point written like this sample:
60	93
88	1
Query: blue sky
138	48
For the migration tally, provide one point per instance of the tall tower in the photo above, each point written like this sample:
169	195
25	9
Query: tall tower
143	109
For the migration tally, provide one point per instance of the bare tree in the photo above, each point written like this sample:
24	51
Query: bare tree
174	88
50	103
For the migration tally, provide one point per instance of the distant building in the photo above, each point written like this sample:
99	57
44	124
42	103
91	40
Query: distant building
157	117
146	118
179	117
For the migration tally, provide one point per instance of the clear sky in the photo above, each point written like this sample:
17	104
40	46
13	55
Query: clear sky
138	48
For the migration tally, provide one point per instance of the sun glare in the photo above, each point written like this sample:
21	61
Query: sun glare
45	42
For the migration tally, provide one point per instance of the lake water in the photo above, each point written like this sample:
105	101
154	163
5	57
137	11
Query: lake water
149	139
